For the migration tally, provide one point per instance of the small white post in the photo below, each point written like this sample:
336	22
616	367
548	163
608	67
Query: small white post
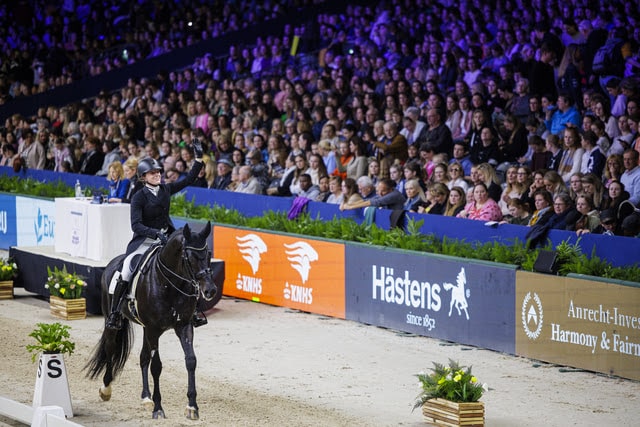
41	412
52	386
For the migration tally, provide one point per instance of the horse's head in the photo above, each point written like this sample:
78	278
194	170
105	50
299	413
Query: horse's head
197	256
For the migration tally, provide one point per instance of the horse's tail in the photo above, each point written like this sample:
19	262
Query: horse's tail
112	352
447	286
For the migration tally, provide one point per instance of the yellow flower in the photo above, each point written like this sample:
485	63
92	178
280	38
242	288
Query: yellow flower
474	380
457	378
62	291
441	380
79	282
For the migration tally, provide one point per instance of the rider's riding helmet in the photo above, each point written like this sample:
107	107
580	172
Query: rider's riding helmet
148	164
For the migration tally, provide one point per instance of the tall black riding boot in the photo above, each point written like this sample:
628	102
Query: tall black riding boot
114	321
198	319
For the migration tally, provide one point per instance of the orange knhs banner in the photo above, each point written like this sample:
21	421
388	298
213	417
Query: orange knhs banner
282	270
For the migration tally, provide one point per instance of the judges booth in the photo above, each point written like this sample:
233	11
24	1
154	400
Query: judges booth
98	232
76	234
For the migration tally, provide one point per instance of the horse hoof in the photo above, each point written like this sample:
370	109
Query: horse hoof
191	413
158	414
105	393
147	403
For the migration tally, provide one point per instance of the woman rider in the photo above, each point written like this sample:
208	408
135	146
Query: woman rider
150	222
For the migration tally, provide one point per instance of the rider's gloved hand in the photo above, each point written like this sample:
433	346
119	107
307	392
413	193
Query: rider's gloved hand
197	148
162	237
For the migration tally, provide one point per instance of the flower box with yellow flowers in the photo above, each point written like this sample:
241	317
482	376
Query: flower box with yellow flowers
449	396
66	289
8	271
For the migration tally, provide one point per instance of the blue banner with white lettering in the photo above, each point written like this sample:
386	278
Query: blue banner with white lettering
8	234
36	223
465	302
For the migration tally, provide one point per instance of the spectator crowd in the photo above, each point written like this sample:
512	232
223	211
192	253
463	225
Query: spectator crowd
47	44
526	114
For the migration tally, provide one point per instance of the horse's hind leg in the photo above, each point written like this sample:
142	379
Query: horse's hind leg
105	389
185	333
150	356
110	348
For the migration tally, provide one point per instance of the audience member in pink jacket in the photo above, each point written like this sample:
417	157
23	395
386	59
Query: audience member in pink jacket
482	207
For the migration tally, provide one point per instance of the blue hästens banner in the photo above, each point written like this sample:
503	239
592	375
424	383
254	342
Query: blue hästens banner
465	302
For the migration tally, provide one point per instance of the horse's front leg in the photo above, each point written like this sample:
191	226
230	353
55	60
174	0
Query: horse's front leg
156	370
185	334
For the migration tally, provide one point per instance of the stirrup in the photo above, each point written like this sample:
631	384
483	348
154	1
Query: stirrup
198	319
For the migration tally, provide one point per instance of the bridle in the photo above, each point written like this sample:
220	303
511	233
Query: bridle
192	278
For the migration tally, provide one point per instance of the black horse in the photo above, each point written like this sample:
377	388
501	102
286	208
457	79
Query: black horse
166	295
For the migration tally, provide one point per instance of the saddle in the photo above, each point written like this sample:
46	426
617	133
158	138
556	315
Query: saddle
139	264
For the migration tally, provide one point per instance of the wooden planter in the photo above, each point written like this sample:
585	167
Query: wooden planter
68	309
6	289
446	413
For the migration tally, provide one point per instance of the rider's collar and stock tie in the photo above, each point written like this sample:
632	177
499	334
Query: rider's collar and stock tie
153	189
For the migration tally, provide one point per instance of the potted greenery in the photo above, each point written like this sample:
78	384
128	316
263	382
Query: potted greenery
51	338
8	271
449	395
52	386
66	299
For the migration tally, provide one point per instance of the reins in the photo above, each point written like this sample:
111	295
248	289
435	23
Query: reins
193	279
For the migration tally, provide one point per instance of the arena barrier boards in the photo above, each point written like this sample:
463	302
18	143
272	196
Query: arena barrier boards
431	296
489	305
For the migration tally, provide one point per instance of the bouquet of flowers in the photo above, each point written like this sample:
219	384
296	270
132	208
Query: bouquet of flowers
63	284
453	382
8	269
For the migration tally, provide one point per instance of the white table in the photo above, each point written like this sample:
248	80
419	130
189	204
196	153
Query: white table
95	231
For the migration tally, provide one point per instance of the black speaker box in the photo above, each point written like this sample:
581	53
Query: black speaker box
547	262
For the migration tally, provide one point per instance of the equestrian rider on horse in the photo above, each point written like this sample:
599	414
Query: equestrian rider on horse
150	222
